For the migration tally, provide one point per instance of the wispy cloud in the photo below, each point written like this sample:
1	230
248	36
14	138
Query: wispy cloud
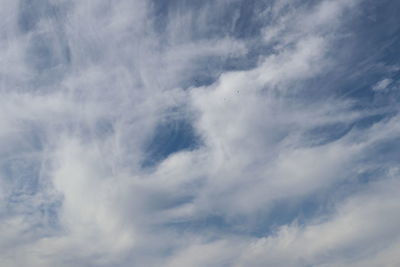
198	133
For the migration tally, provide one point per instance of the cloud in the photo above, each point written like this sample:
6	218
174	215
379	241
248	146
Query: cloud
382	85
214	133
355	233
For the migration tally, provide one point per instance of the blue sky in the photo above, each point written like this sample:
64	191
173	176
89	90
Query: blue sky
199	133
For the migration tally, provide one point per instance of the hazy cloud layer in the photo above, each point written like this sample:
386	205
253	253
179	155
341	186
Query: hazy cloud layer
199	133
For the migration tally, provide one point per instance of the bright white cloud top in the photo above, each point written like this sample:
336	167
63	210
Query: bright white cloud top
199	133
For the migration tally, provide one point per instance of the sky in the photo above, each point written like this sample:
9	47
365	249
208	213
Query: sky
185	133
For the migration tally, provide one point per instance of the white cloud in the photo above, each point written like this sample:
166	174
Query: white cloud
74	127
382	84
357	231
